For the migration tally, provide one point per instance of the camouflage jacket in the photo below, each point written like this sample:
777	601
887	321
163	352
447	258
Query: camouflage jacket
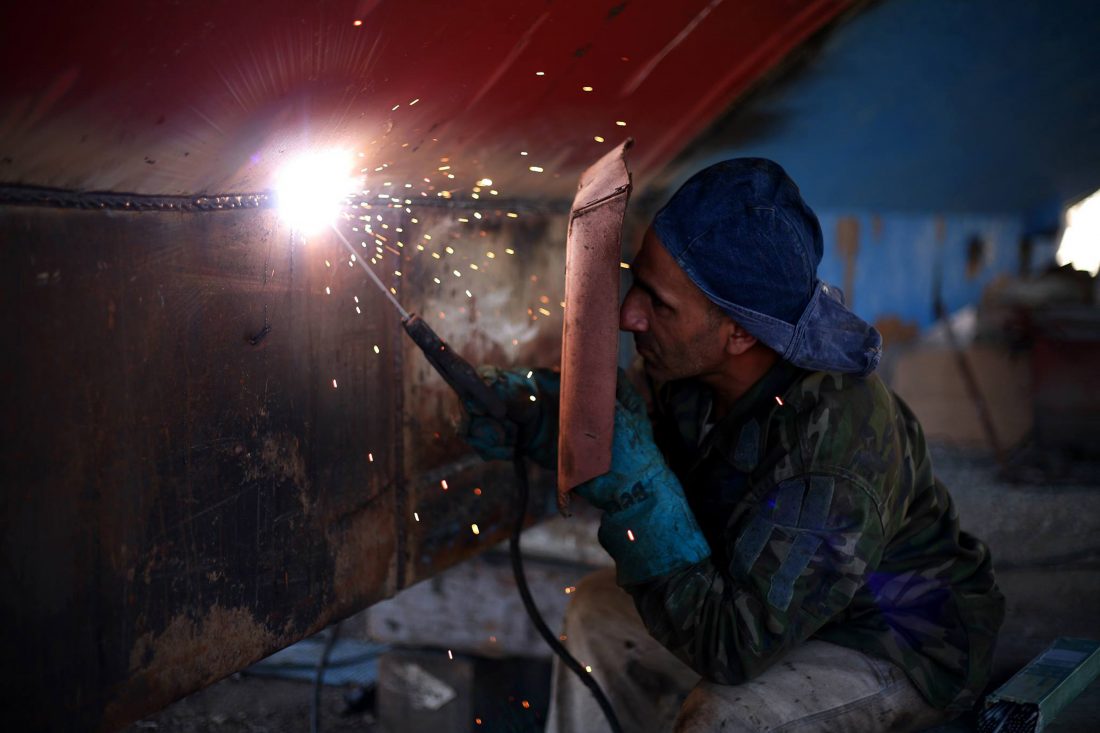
817	497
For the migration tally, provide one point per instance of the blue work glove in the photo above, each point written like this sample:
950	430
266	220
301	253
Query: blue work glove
647	526
532	425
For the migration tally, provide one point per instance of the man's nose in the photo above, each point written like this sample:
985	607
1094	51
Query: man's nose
632	315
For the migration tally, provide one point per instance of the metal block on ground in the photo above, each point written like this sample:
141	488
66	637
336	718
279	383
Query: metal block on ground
425	690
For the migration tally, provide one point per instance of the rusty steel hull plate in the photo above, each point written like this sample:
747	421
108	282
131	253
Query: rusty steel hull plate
217	440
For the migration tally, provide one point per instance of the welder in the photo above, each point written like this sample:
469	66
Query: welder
784	556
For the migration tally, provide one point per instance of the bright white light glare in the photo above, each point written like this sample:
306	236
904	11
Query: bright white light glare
1081	240
311	189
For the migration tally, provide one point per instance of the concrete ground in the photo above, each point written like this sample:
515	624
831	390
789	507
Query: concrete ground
1043	537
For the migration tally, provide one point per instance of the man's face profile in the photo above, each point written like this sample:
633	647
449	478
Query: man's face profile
677	331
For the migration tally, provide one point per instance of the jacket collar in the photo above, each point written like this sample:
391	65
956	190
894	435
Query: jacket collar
737	437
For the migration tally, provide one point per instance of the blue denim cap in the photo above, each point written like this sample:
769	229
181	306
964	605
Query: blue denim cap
743	234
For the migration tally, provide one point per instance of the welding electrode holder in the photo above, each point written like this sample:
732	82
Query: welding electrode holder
455	370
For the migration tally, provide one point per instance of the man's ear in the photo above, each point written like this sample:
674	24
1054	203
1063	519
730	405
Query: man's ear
738	340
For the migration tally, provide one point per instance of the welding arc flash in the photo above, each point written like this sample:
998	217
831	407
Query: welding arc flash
311	189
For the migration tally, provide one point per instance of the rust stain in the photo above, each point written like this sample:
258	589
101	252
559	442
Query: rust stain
166	666
280	458
847	245
896	330
364	549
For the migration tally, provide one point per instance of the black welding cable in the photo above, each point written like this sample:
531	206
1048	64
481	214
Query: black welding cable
319	678
529	603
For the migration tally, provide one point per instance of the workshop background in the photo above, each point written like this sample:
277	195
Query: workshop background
217	443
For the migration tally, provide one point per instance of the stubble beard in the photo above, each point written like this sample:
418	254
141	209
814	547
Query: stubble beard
684	362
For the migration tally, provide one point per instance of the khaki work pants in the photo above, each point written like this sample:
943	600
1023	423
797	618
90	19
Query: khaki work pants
817	686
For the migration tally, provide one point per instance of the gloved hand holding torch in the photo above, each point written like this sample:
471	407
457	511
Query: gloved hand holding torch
647	526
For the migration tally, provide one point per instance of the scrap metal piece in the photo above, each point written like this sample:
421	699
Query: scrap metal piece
590	332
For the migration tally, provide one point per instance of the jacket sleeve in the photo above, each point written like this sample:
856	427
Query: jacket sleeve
789	567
